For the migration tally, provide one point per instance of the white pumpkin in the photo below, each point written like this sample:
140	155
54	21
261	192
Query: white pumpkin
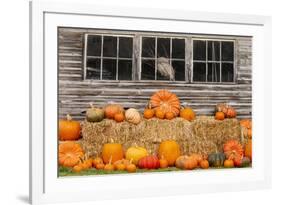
133	116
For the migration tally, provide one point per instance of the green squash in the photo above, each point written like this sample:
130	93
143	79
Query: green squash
94	114
216	159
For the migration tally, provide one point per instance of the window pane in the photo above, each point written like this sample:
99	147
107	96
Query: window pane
109	46
199	50
227	50
178	50
148	47
148	70
213	72
179	68
227	72
163	47
213	50
93	69
94	46
199	72
125	47
109	69
124	70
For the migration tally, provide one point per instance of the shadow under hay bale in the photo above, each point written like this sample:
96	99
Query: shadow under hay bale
204	135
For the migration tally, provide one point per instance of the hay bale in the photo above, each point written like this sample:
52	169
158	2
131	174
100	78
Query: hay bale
204	135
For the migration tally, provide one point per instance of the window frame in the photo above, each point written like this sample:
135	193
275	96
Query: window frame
210	61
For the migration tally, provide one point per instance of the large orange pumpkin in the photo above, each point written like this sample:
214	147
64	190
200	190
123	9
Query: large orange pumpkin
70	154
113	151
166	101
112	109
170	150
233	149
248	149
69	129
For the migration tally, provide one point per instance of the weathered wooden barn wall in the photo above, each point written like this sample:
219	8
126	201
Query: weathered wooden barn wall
75	94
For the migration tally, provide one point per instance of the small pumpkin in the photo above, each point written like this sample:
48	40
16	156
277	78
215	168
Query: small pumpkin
228	163
187	113
170	150
109	166
163	162
197	157
100	166
112	151
160	114
181	161
232	148
133	116
135	153
204	164
77	168
166	101
169	115
119	117
70	154
148	112
120	167
219	116
96	161
228	111
111	109
131	168
248	149
190	163
69	129
216	159
94	114
122	161
149	162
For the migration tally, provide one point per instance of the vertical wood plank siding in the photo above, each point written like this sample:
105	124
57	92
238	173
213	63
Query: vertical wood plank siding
75	94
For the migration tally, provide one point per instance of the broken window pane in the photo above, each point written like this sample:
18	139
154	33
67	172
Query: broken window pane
213	72
199	50
213	50
94	45
227	72
163	47
125	47
227	49
199	72
109	46
148	70
179	68
148	47
178	48
93	69
125	70
109	69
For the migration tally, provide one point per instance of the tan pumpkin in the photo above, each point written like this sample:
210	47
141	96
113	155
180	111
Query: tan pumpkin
69	129
112	109
180	162
94	114
133	116
166	101
170	150
187	113
113	151
70	154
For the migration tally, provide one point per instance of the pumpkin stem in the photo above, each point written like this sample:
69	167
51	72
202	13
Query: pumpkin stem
68	117
111	140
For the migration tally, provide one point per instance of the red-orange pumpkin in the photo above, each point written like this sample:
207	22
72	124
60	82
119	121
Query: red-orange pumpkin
112	109
233	149
149	162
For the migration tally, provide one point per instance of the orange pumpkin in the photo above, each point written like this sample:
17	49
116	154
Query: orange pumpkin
204	164
248	149
112	109
170	150
197	157
228	163
219	116
100	166
70	154
119	117
190	163
77	168
69	129
131	168
233	149
109	166
113	151
159	114
148	112
166	101
169	115
96	161
228	111
187	113
163	163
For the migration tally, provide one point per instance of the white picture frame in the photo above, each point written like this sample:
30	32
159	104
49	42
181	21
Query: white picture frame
45	186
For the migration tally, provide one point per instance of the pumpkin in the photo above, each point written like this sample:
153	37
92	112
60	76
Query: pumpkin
246	125
232	148
119	117
109	166
160	114
94	114
122	161
219	116
163	162
248	149
70	154
148	112
228	111
197	157
135	154
77	168
187	113
166	101
100	166
169	115
120	167
228	163
96	161
149	162
181	161
190	163
131	168
237	160
133	116
204	164
112	109
170	150
69	129
113	151
245	162
216	159
88	163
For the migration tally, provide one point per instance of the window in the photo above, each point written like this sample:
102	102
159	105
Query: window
213	61
163	58
109	57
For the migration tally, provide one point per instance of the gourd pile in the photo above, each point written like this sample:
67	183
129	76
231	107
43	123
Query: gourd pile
164	135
